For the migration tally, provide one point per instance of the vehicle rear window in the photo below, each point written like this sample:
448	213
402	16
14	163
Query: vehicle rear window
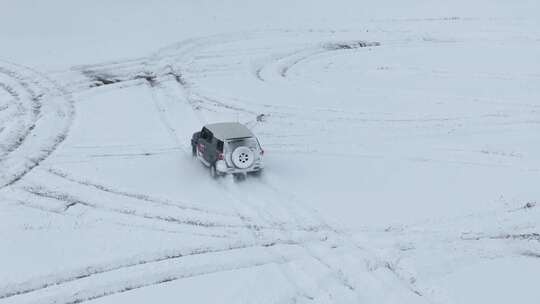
249	142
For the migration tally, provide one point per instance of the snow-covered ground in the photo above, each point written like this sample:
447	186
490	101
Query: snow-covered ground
402	144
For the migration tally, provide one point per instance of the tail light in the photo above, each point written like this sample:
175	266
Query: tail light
220	156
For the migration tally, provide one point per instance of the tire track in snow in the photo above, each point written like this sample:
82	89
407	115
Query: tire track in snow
340	238
92	270
79	285
284	63
138	196
51	111
71	192
71	200
238	203
27	110
261	212
55	205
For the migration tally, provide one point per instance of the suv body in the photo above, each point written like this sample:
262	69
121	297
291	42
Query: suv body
228	147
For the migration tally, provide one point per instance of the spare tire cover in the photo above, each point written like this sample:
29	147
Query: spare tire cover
243	157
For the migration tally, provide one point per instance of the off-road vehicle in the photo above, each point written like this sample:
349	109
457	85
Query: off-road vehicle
228	147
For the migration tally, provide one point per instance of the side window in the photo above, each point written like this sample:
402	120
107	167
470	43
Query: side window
203	133
206	134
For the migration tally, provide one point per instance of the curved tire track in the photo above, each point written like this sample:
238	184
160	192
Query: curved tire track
284	63
49	111
84	284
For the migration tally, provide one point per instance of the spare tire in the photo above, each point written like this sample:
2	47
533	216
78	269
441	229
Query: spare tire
243	157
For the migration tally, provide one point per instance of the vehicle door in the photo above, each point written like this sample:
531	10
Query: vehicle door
211	151
204	144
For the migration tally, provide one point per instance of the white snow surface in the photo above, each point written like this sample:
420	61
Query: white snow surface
401	138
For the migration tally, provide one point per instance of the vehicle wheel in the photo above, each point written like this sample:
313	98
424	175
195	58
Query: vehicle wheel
256	173
213	172
193	151
239	176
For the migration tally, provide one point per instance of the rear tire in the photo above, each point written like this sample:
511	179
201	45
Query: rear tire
238	177
214	173
257	173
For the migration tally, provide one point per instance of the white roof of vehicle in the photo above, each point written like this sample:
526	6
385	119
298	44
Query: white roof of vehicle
229	130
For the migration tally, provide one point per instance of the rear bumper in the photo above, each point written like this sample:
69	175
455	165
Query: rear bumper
222	167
